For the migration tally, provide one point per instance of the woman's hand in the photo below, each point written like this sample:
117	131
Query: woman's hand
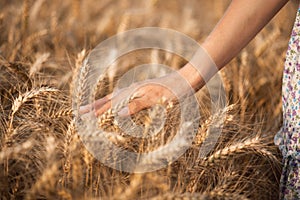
142	95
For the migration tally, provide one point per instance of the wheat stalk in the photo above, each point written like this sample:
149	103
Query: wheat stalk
25	17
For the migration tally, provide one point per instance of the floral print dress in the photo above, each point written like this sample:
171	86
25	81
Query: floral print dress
288	138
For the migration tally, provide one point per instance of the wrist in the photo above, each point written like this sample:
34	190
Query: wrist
200	69
192	76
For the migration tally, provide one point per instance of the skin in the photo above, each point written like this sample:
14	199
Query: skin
239	25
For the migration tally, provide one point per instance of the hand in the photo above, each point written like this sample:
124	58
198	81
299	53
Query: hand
142	95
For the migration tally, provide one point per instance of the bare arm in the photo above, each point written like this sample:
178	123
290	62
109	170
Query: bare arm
239	25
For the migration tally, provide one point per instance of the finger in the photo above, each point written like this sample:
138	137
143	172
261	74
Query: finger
116	98
134	107
103	109
112	100
98	103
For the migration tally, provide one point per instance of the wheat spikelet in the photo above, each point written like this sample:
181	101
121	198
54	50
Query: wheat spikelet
67	112
38	63
22	99
106	120
37	107
268	154
223	116
28	41
225	80
76	71
81	84
232	150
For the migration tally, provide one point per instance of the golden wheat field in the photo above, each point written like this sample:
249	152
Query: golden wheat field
42	46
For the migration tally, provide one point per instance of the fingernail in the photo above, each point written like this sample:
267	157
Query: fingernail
124	112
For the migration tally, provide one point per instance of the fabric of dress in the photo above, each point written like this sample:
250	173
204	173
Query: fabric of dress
288	138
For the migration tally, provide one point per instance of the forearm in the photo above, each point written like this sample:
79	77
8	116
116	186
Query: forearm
241	22
239	25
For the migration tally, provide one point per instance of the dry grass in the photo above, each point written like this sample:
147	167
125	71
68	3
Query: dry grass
42	45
